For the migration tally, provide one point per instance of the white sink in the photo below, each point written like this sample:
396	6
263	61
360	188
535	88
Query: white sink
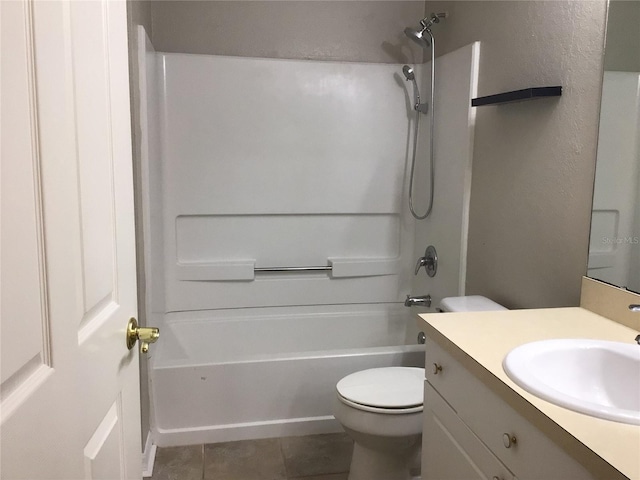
596	377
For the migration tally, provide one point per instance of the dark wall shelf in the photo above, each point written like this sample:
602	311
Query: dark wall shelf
517	96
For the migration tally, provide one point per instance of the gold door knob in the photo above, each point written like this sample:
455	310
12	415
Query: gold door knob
146	335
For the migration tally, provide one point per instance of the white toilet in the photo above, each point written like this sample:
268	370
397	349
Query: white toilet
471	303
381	409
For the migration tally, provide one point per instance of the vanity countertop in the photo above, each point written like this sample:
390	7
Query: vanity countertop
480	341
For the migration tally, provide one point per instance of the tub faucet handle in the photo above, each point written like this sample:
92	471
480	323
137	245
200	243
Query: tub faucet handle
429	261
422	262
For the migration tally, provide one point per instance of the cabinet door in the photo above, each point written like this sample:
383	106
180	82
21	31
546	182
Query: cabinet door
488	416
450	451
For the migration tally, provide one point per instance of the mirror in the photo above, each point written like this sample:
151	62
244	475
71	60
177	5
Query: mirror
614	247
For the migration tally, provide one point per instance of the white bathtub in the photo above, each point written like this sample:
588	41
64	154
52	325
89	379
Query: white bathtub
248	373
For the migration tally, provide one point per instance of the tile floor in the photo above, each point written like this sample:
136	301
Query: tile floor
314	457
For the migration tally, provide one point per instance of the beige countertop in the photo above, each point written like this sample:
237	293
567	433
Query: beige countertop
480	340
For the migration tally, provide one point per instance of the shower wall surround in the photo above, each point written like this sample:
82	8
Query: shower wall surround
283	163
447	226
254	163
151	148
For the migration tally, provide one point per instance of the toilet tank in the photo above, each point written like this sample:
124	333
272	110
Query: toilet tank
472	303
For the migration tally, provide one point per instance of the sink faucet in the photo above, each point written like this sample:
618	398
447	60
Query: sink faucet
635	308
419	301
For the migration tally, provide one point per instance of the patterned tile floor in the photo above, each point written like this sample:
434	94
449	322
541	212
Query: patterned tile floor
314	457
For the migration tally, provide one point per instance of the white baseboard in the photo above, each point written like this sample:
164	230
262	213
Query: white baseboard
148	457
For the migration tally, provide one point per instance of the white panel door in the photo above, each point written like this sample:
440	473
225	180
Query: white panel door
69	385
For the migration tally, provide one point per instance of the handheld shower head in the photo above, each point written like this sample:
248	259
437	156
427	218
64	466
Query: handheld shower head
408	73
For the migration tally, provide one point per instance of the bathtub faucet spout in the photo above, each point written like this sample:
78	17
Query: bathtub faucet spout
419	301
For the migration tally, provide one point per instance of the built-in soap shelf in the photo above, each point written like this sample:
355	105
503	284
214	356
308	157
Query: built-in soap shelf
517	96
247	269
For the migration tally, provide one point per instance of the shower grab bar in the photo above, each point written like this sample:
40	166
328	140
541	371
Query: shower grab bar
246	270
292	269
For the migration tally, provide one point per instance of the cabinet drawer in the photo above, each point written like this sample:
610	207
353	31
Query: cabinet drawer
450	450
532	455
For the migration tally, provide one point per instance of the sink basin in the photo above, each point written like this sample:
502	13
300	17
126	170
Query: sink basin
596	377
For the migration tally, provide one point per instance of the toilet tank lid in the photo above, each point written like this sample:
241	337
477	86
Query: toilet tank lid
386	387
471	303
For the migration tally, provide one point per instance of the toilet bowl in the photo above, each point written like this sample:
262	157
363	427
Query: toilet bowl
381	410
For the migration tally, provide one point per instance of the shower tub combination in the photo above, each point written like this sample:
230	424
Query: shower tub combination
229	376
250	346
270	287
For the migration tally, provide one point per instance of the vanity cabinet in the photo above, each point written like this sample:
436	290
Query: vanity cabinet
450	450
470	432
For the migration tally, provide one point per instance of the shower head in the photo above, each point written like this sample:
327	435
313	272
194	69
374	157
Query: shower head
422	34
408	73
418	36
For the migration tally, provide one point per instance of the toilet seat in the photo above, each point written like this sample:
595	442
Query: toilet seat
389	390
385	411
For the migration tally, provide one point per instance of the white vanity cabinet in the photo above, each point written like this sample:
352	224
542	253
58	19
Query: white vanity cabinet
450	450
470	432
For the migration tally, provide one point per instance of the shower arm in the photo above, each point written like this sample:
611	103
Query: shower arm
427	22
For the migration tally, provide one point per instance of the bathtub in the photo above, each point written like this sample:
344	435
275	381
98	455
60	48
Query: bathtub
257	373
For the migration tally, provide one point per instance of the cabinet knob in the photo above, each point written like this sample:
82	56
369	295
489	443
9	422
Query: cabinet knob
508	440
436	368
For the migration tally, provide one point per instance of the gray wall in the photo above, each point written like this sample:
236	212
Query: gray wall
138	13
365	31
623	36
534	162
